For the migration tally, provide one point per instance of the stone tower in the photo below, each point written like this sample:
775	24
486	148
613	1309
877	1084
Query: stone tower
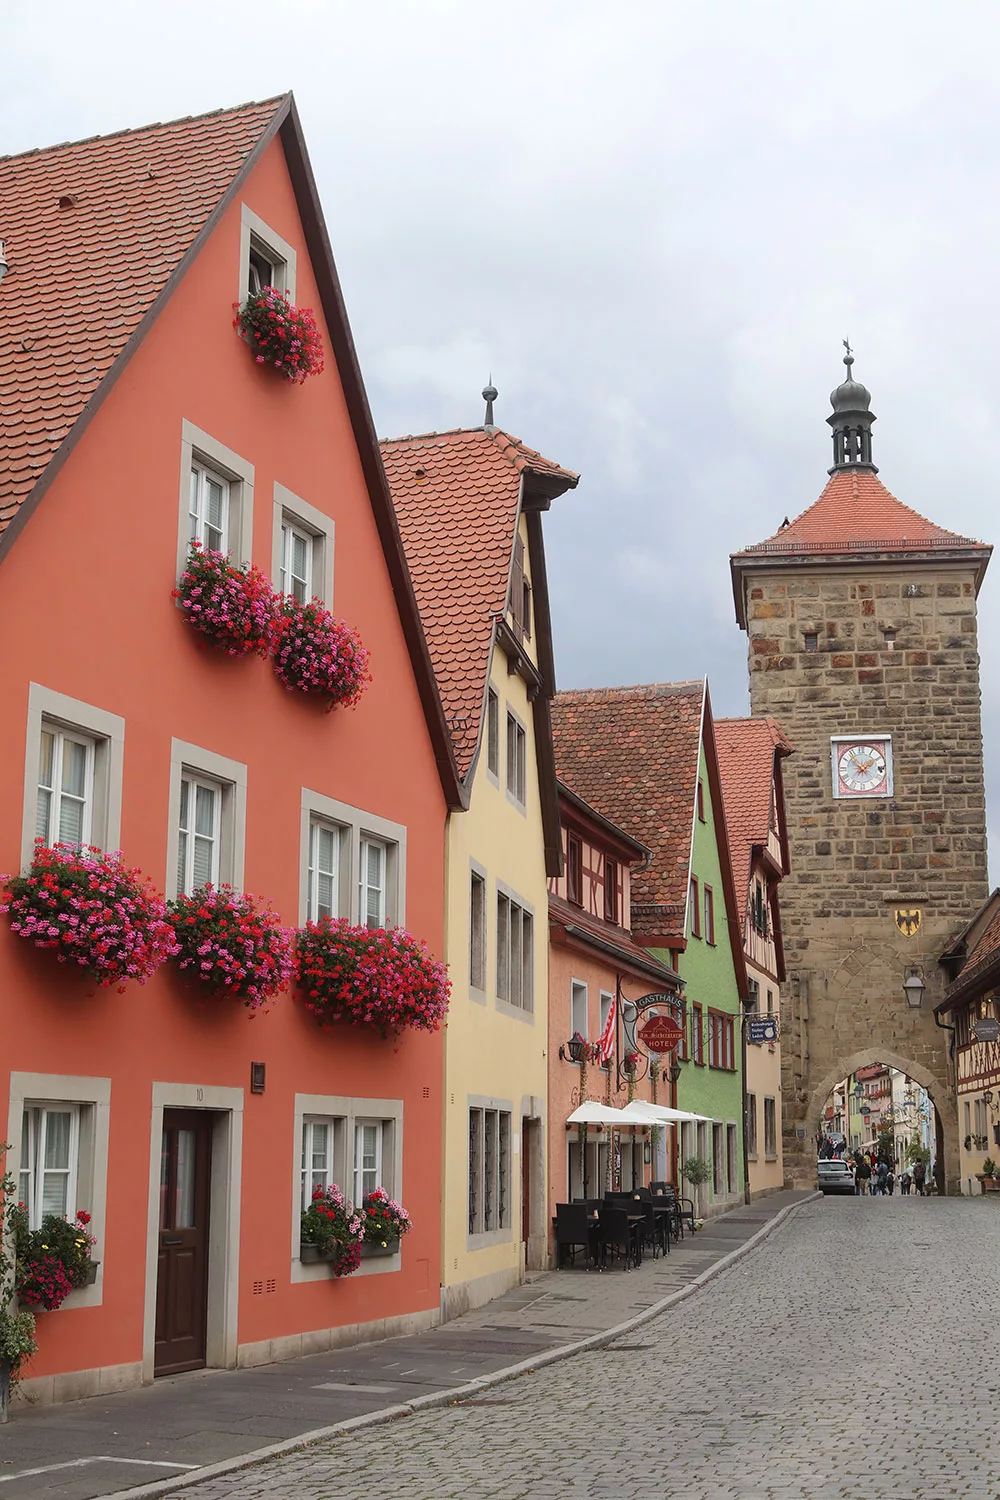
861	618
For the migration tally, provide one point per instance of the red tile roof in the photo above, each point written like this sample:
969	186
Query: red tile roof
456	496
746	750
856	510
981	963
633	754
617	942
93	230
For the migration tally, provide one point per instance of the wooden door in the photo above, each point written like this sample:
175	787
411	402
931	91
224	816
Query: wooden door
182	1269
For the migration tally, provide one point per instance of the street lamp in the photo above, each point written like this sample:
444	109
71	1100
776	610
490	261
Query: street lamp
913	989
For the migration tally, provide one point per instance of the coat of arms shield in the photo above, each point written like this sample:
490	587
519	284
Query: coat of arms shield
908	921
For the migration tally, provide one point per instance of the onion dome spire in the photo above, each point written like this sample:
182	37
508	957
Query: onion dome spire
851	421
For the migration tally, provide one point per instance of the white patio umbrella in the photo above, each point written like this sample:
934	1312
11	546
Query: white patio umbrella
591	1112
646	1113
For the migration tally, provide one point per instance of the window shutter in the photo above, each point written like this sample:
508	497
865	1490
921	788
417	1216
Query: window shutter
517	586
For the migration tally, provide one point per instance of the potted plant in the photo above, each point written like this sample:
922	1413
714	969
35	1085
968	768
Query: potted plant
319	655
228	941
385	1223
53	1260
236	608
988	1180
280	334
332	1231
630	1062
91	910
696	1170
17	1325
382	978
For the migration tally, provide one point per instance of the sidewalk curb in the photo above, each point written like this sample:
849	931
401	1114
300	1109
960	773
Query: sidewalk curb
459	1392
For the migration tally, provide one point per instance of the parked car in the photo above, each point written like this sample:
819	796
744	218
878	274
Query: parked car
835	1176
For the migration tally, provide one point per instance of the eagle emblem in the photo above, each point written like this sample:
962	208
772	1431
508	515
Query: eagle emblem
908	922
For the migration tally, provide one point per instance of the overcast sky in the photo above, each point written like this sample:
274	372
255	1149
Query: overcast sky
654	223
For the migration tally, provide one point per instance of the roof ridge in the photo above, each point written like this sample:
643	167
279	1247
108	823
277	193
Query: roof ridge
648	689
137	130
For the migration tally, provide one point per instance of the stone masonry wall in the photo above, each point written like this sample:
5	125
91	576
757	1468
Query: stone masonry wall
854	862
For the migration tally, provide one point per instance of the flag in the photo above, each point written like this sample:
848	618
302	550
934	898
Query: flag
606	1041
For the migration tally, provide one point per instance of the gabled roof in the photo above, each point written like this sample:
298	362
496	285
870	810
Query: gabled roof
855	514
569	924
98	234
981	969
93	231
458	496
747	750
633	754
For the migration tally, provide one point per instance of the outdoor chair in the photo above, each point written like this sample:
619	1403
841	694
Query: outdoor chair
573	1231
614	1233
666	1193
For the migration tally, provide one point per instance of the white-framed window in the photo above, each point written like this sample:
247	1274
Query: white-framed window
64	809
489	1171
493	732
367	1158
319	1143
216	498
325	841
372	883
515	953
296	562
266	259
517	759
206	834
302	549
578	1008
199	833
477	930
208	508
74	754
368	855
751	1125
50	1160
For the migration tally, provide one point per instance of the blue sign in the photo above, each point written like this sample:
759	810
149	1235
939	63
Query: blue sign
762	1029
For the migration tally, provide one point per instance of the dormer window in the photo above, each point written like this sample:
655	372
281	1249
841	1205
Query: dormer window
265	258
261	269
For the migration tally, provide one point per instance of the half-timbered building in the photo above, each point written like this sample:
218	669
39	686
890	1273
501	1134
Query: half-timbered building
972	1007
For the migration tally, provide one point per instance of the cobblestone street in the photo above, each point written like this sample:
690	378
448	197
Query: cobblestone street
852	1355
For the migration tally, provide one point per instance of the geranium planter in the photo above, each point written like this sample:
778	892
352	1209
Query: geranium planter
236	608
332	1231
319	656
91	910
372	1252
310	1254
230	943
382	978
280	335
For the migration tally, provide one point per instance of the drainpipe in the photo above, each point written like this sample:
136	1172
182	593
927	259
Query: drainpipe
743	1055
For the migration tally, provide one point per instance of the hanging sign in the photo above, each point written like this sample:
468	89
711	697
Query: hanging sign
661	1034
986	1030
762	1029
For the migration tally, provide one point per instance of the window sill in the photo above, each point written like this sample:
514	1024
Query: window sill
773	1156
752	1156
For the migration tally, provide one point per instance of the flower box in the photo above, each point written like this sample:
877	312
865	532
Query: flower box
92	1273
371	1252
235	607
227	941
92	911
280	334
309	1254
318	655
380	978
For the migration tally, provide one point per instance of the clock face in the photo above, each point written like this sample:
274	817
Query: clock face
862	767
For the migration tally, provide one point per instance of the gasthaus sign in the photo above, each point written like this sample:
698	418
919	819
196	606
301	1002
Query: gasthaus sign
660	1034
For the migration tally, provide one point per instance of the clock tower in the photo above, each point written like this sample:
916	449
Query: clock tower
861	624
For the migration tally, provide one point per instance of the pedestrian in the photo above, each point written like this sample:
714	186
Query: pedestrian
919	1173
890	1182
881	1177
862	1177
904	1184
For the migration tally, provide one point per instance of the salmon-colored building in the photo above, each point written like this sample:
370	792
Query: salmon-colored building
596	974
133	418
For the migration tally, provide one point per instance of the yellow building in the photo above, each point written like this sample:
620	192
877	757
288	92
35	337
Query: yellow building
750	755
470	506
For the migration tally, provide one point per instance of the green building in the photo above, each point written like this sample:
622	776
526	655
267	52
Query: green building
646	758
